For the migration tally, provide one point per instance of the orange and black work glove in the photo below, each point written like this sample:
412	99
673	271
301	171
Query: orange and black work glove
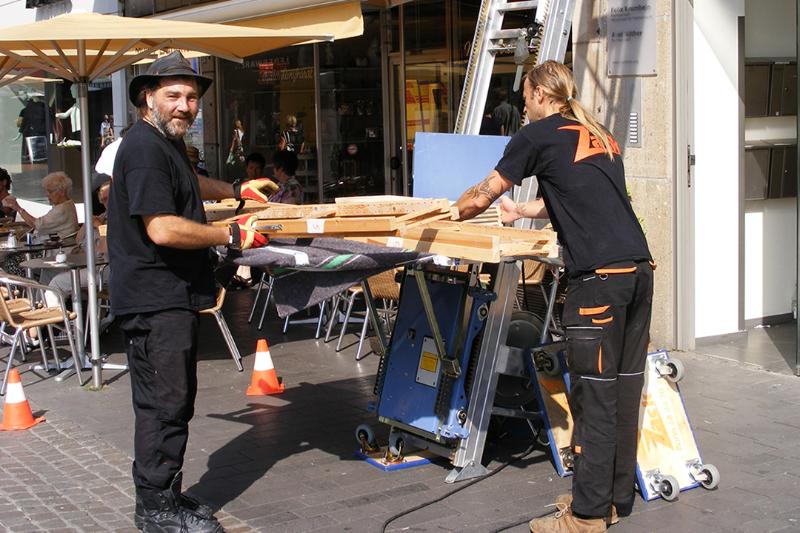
244	236
259	190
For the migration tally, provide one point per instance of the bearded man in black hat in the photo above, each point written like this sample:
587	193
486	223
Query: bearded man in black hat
162	276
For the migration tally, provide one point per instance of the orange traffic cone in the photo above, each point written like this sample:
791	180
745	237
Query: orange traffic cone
264	380
17	412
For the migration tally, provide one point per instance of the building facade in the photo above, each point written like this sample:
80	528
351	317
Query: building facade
708	132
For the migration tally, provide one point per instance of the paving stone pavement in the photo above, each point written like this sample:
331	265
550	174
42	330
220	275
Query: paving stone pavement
285	463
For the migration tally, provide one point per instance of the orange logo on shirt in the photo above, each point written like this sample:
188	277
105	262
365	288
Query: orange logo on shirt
588	144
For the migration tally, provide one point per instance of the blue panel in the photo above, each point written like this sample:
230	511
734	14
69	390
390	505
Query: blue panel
402	398
446	164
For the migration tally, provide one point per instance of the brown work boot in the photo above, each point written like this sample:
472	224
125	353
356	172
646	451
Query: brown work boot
566	522
611	518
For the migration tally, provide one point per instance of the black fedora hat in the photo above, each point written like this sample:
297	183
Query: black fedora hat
170	65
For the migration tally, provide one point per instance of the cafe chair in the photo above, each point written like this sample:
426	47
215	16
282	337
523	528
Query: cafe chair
383	288
216	312
29	317
266	281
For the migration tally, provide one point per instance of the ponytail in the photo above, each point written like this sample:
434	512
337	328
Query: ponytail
557	82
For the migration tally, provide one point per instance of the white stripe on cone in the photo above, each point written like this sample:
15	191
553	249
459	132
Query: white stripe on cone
14	393
263	361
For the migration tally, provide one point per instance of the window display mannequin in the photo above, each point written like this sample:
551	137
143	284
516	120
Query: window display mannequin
33	129
74	116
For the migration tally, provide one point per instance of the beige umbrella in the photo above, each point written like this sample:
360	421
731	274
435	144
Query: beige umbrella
82	47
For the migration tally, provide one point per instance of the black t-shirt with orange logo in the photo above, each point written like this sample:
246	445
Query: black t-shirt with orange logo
583	189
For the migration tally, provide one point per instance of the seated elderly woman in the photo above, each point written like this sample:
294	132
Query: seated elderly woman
63	280
62	219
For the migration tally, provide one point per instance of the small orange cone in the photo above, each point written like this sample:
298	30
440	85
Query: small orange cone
264	380
17	412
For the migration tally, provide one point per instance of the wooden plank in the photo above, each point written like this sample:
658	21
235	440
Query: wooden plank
484	255
490	217
380	198
273	211
227	209
330	226
524	249
398	207
427	220
498	231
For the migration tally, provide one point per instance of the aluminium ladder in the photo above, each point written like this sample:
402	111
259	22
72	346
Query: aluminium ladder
548	39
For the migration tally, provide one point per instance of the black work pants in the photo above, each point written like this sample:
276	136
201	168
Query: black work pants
162	358
607	321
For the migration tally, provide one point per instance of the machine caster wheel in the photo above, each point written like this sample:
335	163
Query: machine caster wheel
396	444
365	437
668	488
547	363
711	476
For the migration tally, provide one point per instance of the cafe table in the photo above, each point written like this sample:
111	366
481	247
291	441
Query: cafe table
73	263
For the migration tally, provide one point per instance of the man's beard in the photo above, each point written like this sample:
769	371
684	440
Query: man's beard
165	125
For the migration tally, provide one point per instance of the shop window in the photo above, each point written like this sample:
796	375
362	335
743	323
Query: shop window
265	95
770	89
424	27
351	114
756	90
783	172
783	89
756	165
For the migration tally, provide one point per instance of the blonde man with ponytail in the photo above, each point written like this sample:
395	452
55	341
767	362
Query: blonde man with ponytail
607	312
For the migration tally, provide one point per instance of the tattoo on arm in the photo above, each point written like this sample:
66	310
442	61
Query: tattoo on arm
484	188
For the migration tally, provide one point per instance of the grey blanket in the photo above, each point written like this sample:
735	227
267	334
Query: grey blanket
310	270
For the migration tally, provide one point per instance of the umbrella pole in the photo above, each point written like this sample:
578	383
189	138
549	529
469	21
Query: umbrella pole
91	308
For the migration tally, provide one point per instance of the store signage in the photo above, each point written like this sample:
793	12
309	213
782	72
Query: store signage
631	37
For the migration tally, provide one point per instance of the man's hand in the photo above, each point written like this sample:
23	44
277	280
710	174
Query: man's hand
259	190
508	210
245	235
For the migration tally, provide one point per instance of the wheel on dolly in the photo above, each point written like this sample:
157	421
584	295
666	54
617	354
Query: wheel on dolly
709	476
668	488
672	369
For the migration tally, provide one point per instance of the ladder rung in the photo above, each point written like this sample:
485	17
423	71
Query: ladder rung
505	34
518	6
500	49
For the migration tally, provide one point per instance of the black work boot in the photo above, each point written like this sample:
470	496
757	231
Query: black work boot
161	513
188	503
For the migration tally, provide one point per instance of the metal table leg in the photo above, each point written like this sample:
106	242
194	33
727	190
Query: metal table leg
77	306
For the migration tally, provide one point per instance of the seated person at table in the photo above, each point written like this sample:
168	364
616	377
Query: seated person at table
254	166
5	190
62	219
290	191
63	280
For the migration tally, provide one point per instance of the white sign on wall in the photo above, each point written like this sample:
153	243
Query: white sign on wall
631	37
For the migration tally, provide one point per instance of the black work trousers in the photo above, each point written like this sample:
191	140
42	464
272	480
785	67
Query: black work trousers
162	358
607	322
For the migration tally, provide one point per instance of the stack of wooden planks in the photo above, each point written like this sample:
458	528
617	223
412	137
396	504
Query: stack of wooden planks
422	224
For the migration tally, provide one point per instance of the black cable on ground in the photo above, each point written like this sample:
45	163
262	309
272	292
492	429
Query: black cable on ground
459	489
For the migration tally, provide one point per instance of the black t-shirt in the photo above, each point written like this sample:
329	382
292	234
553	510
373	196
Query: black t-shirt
584	192
153	176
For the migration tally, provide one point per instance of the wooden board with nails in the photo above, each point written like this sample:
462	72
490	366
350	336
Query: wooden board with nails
422	224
